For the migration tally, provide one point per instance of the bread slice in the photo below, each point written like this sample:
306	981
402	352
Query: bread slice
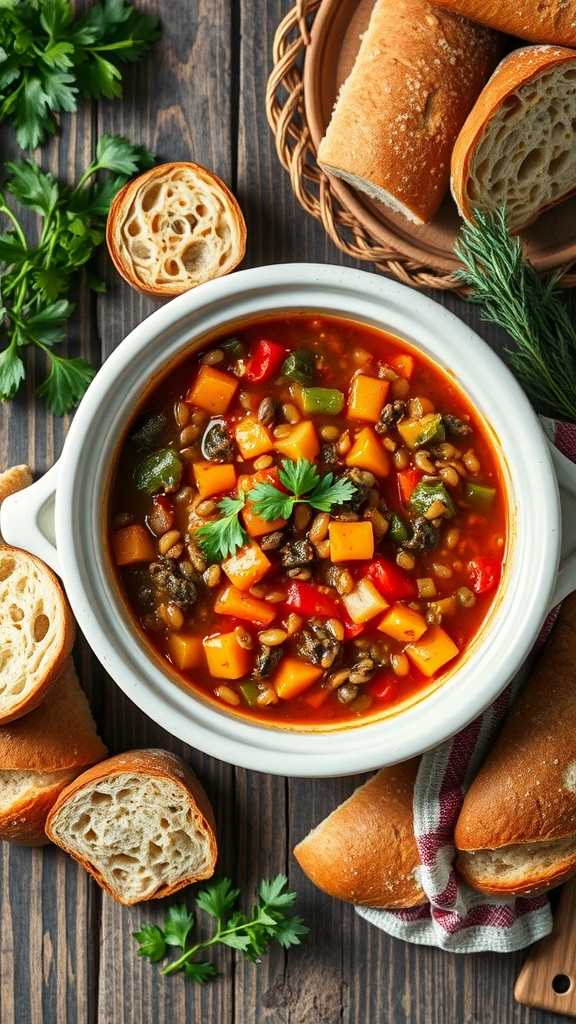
518	145
365	852
40	754
174	227
516	832
14	479
548	21
418	72
140	823
37	631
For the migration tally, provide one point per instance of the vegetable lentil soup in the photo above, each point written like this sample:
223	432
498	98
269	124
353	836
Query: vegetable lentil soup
308	521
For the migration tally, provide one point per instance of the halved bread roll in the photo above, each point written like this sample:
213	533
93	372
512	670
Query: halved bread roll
40	754
37	631
365	852
174	227
140	823
516	832
517	146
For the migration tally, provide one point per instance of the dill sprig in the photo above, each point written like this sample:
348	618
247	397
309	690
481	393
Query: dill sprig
527	306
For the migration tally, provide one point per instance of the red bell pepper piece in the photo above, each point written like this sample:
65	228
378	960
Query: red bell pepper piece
390	580
484	573
266	359
384	687
306	599
407	480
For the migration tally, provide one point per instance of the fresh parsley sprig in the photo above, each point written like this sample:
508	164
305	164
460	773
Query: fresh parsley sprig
225	535
36	274
48	57
269	921
304	482
527	306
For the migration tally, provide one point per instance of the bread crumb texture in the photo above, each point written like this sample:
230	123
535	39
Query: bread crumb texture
138	833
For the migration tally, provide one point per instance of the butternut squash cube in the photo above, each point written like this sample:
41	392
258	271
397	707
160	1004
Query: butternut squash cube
231	601
301	442
226	658
247	566
212	390
403	623
185	651
364	602
294	676
367	398
350	541
133	544
368	453
256	526
433	651
253	438
214	478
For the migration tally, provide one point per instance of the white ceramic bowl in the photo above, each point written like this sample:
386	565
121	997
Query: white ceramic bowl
61	519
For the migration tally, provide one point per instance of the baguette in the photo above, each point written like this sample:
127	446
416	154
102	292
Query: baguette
417	74
516	832
140	823
548	21
40	754
517	146
174	227
365	852
37	632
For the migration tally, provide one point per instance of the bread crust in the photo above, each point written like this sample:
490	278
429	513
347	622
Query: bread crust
23	821
516	71
365	852
525	792
150	226
548	21
61	638
417	74
157	764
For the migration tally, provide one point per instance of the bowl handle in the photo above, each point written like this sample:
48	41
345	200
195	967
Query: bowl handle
566	474
27	518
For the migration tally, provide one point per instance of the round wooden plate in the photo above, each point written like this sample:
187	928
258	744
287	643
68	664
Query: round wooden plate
334	42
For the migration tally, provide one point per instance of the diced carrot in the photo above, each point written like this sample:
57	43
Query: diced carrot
253	438
300	443
367	397
294	676
351	540
255	525
133	544
212	390
231	601
185	650
403	623
226	658
364	602
433	651
214	478
247	566
368	453
404	364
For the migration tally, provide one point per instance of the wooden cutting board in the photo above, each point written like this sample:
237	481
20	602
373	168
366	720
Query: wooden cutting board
548	978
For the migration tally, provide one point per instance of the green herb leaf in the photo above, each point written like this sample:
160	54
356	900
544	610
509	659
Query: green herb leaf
151	942
303	480
225	535
179	923
527	306
218	898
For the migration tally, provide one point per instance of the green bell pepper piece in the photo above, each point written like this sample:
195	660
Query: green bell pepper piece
300	365
479	495
397	529
327	400
426	493
160	471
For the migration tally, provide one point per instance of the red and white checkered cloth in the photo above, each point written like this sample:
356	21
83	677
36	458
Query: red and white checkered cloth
456	918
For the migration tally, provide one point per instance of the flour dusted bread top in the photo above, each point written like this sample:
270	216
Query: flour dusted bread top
174	227
140	823
538	21
36	631
517	146
417	74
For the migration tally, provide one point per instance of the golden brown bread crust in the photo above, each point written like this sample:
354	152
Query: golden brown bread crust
525	791
158	764
548	21
174	227
417	74
24	820
515	72
524	869
364	852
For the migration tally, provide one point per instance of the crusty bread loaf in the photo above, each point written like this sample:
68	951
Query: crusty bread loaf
174	227
417	74
37	631
548	21
516	832
14	479
140	823
40	754
517	147
364	852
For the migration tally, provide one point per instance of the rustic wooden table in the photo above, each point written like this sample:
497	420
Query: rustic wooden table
67	955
